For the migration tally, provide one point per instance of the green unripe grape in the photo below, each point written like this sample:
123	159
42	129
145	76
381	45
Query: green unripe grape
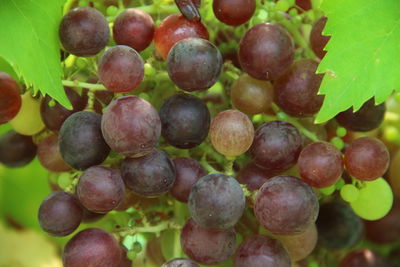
149	70
340	183
391	133
349	193
112	11
341	132
337	142
137	247
64	180
328	190
374	201
131	254
282	5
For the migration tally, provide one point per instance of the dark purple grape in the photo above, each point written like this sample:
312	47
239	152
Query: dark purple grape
60	213
317	40
366	158
54	114
180	262
276	145
286	205
364	258
367	118
320	164
216	201
10	101
125	261
338	226
89	217
16	150
49	155
266	51
261	251
175	28
194	64
151	175
100	189
188	171
234	12
131	126
207	246
84	31
134	28
92	247
296	91
81	143
185	120
189	9
253	176
121	69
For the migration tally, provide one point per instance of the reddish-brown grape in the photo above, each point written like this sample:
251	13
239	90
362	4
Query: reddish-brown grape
16	150
317	40
121	69
231	133
175	28
364	258
10	101
250	95
366	158
295	92
253	176
49	155
266	51
134	28
234	12
84	31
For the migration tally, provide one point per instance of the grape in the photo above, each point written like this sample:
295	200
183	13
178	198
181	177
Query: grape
300	246
320	164
216	201
363	258
180	262
121	69
185	120
125	261
175	28
286	205
338	226
194	64
296	91
366	158
189	8
250	95
89	217
374	200
276	146
151	175
92	247
188	171
49	155
53	116
387	229
367	118
133	200
131	126
28	120
234	12
84	31
100	189
231	133
81	142
253	176
266	51
60	214
10	101
304	4
394	174
135	28
317	40
349	193
104	96
261	251
207	246
16	150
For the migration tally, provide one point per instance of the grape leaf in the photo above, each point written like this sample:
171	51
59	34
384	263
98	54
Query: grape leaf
363	54
30	44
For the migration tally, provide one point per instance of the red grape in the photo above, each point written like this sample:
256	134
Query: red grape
49	155
253	176
10	101
364	258
234	12
317	40
16	150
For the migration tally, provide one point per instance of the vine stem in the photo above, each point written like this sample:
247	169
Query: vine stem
150	229
90	86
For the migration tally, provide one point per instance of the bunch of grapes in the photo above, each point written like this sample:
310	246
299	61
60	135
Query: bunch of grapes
178	129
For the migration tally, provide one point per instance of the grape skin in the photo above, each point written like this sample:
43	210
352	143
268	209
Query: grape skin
135	28
286	205
266	51
363	258
317	40
185	120
207	246
216	201
234	12
194	64
253	176
16	150
49	155
131	126
84	31
100	189
10	101
92	247
151	175
60	214
180	262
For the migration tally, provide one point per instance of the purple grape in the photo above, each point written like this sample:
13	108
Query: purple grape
317	40
89	217
10	101
180	262
364	258
49	155
234	12
253	176
16	150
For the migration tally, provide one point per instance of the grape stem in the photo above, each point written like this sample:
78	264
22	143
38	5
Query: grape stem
150	229
90	86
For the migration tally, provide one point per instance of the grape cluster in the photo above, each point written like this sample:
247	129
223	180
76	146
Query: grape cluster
233	143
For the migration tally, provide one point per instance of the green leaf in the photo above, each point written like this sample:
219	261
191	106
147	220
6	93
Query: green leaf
363	54
6	67
30	44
